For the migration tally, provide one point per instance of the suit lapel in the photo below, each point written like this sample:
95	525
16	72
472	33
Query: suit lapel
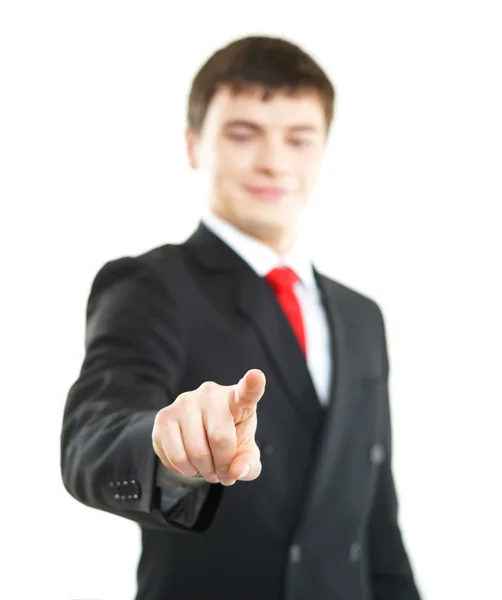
256	302
329	438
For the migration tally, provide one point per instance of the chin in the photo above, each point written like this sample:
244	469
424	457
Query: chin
272	224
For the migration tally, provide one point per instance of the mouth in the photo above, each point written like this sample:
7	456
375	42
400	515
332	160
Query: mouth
267	192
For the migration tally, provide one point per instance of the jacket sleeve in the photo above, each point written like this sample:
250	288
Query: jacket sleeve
134	358
391	572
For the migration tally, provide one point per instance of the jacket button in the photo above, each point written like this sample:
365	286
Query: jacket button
295	553
355	552
267	450
377	454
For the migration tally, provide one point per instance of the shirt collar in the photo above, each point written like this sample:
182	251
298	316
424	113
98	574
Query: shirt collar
257	255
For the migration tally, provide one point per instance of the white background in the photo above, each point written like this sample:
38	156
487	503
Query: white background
92	167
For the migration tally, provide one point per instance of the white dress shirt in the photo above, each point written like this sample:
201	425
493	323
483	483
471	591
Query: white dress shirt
262	260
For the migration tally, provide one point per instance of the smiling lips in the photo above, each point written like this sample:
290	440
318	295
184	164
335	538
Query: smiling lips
266	192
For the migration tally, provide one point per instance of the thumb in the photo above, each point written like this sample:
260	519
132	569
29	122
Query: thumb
247	393
246	466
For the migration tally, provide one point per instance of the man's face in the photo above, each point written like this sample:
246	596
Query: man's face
260	159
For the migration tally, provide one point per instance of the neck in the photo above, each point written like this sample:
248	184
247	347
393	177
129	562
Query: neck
280	240
280	243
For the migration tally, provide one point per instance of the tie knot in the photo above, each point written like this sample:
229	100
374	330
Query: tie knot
282	278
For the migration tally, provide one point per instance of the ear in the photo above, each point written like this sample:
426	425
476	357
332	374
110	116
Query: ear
191	147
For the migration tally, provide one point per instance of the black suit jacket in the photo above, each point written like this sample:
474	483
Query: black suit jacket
321	520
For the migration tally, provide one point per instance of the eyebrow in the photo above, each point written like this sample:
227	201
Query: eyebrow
300	128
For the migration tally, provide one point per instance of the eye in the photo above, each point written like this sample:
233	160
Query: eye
300	142
240	137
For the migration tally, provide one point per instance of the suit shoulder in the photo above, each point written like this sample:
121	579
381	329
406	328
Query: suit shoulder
166	254
160	264
365	319
351	296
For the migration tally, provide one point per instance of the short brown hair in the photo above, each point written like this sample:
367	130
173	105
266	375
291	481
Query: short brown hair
270	64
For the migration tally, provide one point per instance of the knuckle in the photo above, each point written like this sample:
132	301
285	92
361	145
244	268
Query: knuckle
164	416
177	460
209	389
220	435
184	402
247	413
198	454
183	398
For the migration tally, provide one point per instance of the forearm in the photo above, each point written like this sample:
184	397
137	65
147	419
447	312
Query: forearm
108	463
130	372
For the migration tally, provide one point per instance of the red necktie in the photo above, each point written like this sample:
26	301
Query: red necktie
282	281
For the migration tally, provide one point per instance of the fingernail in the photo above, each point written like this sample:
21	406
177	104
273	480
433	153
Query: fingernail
245	472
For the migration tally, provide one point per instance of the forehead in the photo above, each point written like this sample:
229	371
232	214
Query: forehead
280	110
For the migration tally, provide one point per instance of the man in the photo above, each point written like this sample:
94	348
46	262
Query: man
233	401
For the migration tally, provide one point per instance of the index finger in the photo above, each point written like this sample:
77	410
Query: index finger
250	388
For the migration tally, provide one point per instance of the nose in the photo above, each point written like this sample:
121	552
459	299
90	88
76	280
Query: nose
272	157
